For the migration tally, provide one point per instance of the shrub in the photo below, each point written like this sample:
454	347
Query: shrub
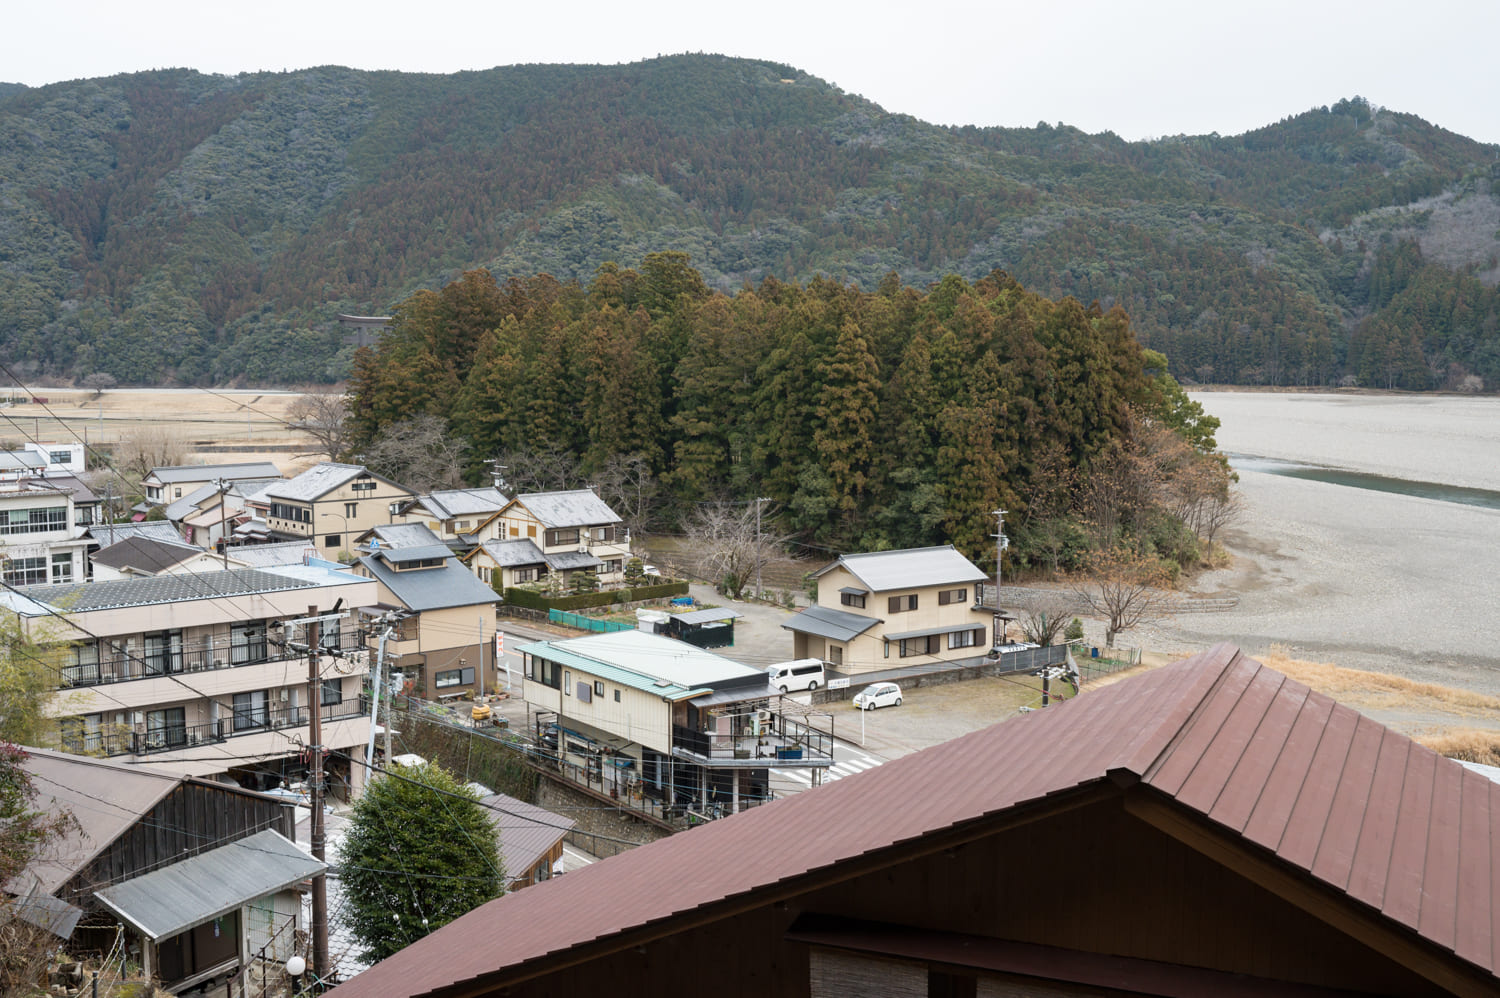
1074	631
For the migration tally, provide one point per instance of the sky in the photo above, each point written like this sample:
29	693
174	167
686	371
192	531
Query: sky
1141	69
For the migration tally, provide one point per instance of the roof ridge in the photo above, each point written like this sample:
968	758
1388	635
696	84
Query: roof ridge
1190	709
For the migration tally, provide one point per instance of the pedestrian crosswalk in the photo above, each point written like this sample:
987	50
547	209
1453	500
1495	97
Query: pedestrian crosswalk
847	762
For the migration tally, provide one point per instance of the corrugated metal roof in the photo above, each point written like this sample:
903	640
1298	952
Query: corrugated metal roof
510	554
574	508
203	472
273	555
164	902
74	597
929	631
525	832
641	661
432	588
1220	738
707	616
911	568
826	622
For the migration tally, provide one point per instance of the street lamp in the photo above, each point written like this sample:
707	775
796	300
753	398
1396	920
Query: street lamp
295	965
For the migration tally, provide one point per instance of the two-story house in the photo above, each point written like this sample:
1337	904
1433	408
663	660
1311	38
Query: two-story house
444	642
643	716
206	674
40	539
889	609
569	531
453	514
168	484
331	502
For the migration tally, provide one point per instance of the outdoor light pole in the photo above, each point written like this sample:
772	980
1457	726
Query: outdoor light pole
344	536
294	969
758	550
1001	543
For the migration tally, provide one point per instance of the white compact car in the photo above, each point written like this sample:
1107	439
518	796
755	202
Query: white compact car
878	695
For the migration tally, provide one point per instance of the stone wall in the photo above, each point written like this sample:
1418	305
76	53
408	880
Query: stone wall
597	824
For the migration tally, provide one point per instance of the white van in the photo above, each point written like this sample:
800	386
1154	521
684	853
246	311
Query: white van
799	674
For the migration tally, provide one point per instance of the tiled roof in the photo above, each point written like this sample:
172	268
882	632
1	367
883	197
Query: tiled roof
509	554
402	535
1278	770
574	508
911	568
449	503
316	481
431	588
113	533
146	553
161	589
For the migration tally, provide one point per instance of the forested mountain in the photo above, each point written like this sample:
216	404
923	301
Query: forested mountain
206	228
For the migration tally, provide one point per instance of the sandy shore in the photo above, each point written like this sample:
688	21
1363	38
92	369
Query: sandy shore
1361	578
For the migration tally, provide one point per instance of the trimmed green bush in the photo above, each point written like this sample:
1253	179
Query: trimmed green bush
531	600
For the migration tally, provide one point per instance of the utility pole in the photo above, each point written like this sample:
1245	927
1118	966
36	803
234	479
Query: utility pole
315	787
1001	543
758	549
223	511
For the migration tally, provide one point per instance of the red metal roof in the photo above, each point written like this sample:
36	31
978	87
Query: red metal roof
1364	810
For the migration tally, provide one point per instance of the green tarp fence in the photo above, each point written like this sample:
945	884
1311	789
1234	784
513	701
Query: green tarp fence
583	623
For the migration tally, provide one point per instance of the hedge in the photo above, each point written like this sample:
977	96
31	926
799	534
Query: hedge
516	596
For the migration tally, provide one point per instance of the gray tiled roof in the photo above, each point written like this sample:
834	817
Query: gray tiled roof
188	504
107	533
827	622
203	472
565	561
161	589
431	588
510	554
449	503
316	481
402	535
911	568
575	508
145	553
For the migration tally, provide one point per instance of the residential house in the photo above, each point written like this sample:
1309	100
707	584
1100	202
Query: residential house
573	531
168	484
42	459
210	513
444	643
529	839
202	876
453	514
332	502
891	609
40	540
1208	828
645	717
206	674
136	556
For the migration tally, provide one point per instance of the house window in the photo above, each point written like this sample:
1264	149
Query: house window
613	565
544	671
836	654
602	535
853	599
351	509
62	568
59	457
525	575
460	525
948	596
454	677
598	688
331	541
901	604
530	530
82	734
515	531
177	493
164	652
82	668
25	572
562	536
250	710
247	642
965	639
33	521
567	682
928	645
333	691
484	575
166	728
363	486
617	696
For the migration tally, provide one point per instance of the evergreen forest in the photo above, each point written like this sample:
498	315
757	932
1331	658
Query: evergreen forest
176	227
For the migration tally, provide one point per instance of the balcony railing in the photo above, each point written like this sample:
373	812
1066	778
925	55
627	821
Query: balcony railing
195	656
171	737
780	740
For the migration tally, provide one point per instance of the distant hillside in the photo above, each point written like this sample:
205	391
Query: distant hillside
176	225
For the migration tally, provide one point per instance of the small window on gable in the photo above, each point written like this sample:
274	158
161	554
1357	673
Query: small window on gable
617	696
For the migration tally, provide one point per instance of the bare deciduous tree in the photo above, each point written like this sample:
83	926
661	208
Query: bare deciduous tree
627	486
418	453
99	382
324	417
1045	616
1126	590
528	469
154	445
729	546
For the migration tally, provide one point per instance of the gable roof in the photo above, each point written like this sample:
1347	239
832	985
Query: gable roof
319	480
1218	739
526	832
911	568
653	663
449	503
179	508
402	535
273	555
113	533
509	554
431	588
145	554
574	508
205	472
77	597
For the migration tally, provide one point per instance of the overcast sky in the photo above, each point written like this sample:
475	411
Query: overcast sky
1141	69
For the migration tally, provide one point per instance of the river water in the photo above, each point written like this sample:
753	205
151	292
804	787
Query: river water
1370	535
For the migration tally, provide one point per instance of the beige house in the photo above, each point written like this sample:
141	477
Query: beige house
893	609
330	502
168	484
199	674
453	514
572	531
445	643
